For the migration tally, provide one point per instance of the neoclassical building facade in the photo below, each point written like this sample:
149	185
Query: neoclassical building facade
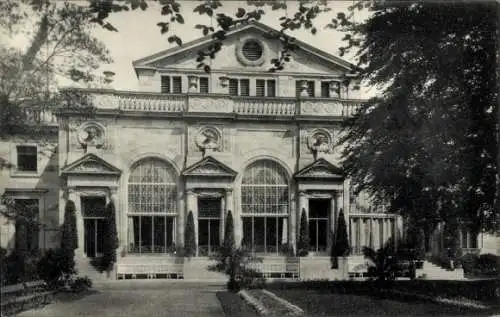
243	139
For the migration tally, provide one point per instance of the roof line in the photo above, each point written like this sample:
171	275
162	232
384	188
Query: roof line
208	38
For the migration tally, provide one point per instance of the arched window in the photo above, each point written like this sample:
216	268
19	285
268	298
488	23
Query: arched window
264	204
152	206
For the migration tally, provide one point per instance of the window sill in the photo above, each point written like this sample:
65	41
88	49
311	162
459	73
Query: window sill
22	174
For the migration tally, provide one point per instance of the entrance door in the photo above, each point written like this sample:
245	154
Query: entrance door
209	210
319	210
93	225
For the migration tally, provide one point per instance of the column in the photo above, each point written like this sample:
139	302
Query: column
362	233
75	197
303	205
181	215
352	225
222	219
292	232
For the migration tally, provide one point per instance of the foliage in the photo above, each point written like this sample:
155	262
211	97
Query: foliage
382	263
480	265
235	262
414	240
303	243
424	144
61	45
69	234
17	267
110	239
57	266
79	284
189	237
340	246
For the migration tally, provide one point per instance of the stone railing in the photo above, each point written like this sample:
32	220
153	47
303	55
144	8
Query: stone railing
128	101
40	116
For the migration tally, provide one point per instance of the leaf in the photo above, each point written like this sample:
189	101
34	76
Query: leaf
165	10
180	19
143	5
108	26
313	31
206	68
240	13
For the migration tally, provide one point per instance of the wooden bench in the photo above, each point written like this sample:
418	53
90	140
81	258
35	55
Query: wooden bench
281	269
20	297
150	271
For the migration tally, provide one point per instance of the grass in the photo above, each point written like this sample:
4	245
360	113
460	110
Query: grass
319	303
234	306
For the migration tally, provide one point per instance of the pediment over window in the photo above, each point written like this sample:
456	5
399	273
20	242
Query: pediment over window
320	169
91	164
209	167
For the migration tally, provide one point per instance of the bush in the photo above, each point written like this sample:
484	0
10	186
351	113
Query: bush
110	241
189	237
340	245
303	243
483	265
56	266
79	284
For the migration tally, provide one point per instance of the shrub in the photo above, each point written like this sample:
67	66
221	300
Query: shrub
340	246
189	237
469	263
56	266
303	243
69	235
110	239
488	264
79	284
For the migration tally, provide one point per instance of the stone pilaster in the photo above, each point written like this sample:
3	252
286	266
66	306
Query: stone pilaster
222	219
293	226
74	196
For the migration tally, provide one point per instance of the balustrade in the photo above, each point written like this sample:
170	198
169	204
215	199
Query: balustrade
127	101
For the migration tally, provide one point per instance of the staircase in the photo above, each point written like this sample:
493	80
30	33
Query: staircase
431	271
84	268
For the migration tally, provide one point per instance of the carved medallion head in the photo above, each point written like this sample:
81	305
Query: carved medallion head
91	134
320	140
208	138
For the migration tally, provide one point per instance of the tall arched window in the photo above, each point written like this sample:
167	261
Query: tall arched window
152	207
264	205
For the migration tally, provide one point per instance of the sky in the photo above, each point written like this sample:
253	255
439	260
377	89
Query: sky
139	36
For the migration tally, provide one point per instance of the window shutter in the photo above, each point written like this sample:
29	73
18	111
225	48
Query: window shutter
260	86
165	84
204	85
245	87
271	88
233	87
177	85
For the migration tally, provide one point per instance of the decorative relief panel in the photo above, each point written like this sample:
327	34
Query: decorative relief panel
206	104
314	140
320	107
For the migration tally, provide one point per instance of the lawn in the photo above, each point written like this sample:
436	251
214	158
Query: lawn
234	306
320	303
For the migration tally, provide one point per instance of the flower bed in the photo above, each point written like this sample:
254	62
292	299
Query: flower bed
482	290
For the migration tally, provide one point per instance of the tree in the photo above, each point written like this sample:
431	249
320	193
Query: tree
228	244
424	143
69	234
189	236
340	246
61	46
303	243
110	239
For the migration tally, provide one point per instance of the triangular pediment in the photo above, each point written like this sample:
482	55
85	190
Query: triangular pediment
91	164
184	56
209	167
320	169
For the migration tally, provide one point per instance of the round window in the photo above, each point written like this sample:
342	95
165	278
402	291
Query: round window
252	50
